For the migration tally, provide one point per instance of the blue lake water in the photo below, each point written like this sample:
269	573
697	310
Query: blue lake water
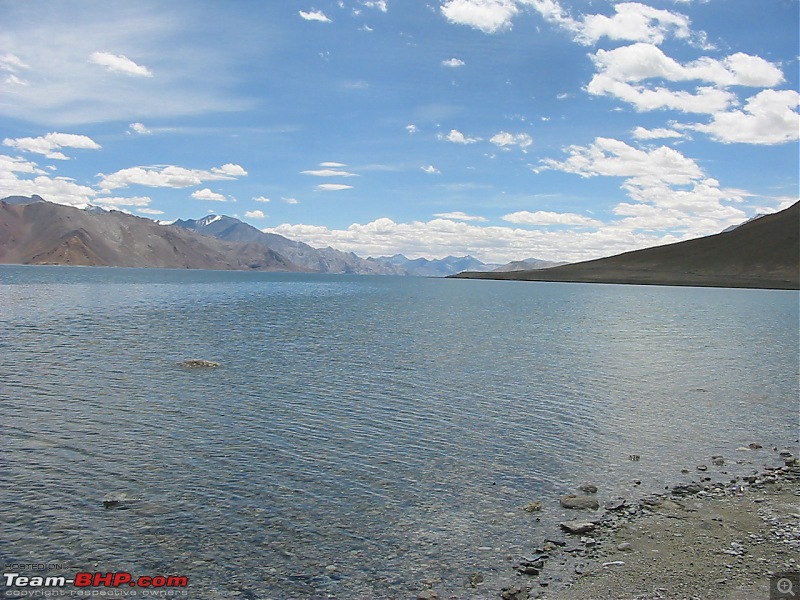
363	437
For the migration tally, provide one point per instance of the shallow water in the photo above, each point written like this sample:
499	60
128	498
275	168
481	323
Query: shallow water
364	437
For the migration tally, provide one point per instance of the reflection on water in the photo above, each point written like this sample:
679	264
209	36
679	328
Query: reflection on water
364	437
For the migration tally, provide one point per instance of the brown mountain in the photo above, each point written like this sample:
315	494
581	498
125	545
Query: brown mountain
762	253
40	232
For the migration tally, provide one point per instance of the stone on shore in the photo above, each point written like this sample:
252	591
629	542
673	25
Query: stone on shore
578	527
580	502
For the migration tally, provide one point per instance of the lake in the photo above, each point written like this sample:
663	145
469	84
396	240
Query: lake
363	437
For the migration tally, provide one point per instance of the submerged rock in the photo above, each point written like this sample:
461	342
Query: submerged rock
199	363
532	507
589	488
580	502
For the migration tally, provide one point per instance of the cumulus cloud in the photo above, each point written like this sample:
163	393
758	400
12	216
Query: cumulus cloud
168	176
150	211
769	117
453	62
544	218
119	63
442	237
634	22
637	62
315	15
489	16
671	191
505	140
332	187
139	128
412	128
457	137
291	200
255	214
431	170
52	142
261	199
460	216
625	72
207	194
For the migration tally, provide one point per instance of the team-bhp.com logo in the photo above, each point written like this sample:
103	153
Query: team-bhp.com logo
19	582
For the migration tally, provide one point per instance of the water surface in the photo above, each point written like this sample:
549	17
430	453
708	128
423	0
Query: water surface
364	437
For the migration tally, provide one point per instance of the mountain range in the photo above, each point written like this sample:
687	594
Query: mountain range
761	253
34	231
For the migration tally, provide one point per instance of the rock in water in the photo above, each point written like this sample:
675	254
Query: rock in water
580	502
589	488
198	363
533	507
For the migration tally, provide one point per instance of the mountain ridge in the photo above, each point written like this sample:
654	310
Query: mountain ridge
760	253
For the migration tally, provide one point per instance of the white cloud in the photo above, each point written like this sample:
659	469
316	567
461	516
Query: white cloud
443	237
114	203
381	5
623	73
315	15
453	62
207	194
412	128
140	129
261	199
544	218
460	216
504	139
50	143
119	63
640	133
150	211
14	182
255	214
671	190
490	16
332	187
291	200
635	22
167	176
457	137
610	157
329	173
637	62
334	165
706	100
431	170
769	117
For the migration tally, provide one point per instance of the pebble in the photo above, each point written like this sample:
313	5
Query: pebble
624	546
428	595
588	488
702	468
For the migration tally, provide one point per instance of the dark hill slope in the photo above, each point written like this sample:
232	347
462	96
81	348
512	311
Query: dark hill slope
764	253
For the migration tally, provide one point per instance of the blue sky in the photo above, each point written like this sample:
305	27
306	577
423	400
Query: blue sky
505	129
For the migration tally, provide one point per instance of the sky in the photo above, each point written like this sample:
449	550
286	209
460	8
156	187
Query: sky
504	129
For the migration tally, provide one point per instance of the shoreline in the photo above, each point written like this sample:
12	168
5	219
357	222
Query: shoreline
704	539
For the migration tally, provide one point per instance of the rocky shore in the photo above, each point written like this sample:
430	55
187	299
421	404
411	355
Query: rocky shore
703	539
